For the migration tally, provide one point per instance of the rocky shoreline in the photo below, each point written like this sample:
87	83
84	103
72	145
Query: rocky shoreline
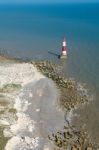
71	97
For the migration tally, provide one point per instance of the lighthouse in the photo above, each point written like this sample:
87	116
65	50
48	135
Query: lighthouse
64	49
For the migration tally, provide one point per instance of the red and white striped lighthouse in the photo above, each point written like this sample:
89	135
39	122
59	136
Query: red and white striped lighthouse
64	49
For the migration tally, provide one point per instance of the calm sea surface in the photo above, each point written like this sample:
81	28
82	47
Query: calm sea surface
32	31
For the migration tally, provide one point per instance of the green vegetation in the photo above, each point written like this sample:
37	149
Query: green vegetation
1	96
2	112
3	140
12	110
3	102
10	87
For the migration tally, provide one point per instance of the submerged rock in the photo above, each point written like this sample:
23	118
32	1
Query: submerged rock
72	138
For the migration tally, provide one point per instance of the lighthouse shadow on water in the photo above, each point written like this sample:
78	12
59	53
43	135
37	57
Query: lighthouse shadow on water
63	54
54	54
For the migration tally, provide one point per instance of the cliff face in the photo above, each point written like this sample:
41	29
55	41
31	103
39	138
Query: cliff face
28	111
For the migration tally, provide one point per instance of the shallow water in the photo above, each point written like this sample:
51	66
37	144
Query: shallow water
3	140
45	101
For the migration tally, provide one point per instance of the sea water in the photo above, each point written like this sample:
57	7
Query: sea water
36	32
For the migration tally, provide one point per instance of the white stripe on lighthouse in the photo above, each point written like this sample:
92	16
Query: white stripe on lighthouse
64	43
63	52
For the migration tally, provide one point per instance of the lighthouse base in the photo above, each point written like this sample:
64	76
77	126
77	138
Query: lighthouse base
63	56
